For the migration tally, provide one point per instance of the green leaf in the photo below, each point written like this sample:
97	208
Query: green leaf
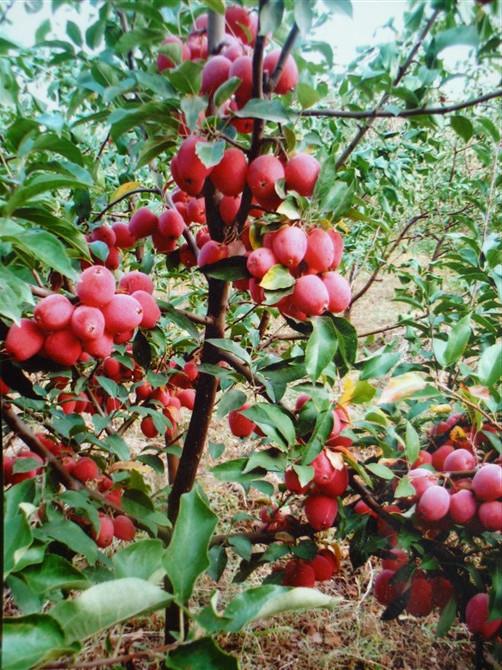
404	489
192	107
274	422
40	184
307	95
242	546
380	470
261	602
230	401
16	530
363	392
232	347
68	533
447	618
226	90
54	573
321	346
142	559
194	526
380	365
463	34
277	277
106	604
30	640
202	654
457	340
412	443
462	126
14	295
340	7
228	269
186	78
303	15
73	32
210	153
271	16
490	365
217	6
48	249
268	110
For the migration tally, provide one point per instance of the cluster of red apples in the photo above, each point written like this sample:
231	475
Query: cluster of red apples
312	258
452	491
66	333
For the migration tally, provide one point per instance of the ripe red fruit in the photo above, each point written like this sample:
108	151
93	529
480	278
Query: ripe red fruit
463	506
196	210
256	292
53	312
67	402
289	245
148	427
323	469
187	398
439	456
124	528
242	67
240	425
289	76
189	171
362	508
112	369
122	313
63	347
113	259
7	465
24	340
87	323
191	370
96	286
398	559
323	567
487	482
385	589
459	460
320	511
476	616
434	503
260	261
263	174
292	482
238	22
171	224
299	573
151	311
54	447
144	391
212	252
101	347
202	237
442	591
339	292
320	253
420	596
302	399
124	239
301	174
310	295
490	515
424	458
337	240
198	46
135	281
4	389
337	484
163	60
85	469
214	73
228	208
143	223
104	537
229	176
104	234
421	479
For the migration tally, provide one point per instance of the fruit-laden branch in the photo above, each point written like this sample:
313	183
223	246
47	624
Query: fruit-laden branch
100	214
386	256
17	425
453	394
401	72
404	113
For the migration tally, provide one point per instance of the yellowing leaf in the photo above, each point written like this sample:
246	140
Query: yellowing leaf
336	459
440	409
457	434
348	388
123	189
401	387
130	465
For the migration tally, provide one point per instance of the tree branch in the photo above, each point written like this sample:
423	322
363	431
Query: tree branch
404	113
285	52
100	214
401	72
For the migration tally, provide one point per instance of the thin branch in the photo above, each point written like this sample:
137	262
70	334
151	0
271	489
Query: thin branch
453	394
401	72
403	113
385	329
100	214
285	52
388	253
113	660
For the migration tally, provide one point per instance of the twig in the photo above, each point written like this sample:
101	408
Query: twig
114	660
100	214
448	391
286	50
401	72
385	329
403	113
